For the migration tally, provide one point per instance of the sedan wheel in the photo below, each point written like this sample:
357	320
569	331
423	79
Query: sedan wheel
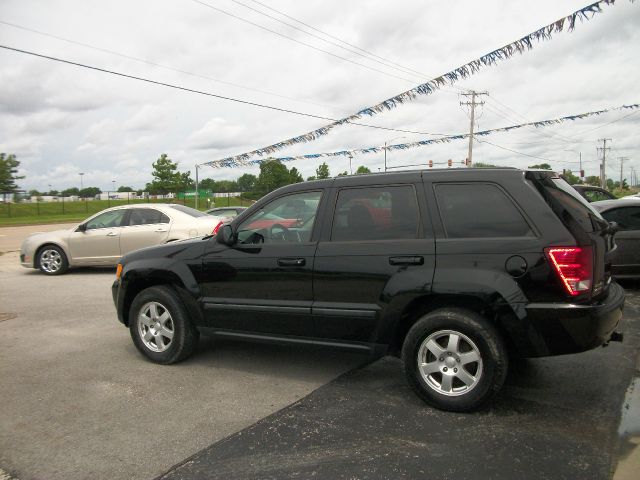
52	260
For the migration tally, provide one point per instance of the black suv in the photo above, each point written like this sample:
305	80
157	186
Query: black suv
453	270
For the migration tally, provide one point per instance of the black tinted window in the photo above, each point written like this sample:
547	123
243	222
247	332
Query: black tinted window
376	213
627	218
147	216
479	210
188	210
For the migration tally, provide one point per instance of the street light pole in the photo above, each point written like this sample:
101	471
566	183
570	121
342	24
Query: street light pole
197	191
81	174
385	150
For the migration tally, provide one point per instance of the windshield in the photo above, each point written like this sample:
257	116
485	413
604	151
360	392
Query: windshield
188	210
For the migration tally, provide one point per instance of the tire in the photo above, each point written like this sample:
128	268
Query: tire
51	260
160	327
455	375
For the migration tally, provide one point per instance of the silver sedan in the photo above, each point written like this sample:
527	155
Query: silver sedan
103	238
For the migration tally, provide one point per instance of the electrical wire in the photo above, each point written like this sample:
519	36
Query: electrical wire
209	94
301	42
159	65
367	56
341	41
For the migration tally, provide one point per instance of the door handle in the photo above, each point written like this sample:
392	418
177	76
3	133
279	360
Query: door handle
112	234
161	230
408	260
291	262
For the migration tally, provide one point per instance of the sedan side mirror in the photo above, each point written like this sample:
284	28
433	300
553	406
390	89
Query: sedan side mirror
226	235
82	227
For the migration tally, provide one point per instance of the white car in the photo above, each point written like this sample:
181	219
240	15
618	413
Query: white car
106	236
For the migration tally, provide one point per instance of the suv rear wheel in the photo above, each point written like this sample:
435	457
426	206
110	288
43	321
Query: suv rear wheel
160	327
454	359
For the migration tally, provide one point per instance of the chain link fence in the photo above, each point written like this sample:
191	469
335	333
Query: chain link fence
15	206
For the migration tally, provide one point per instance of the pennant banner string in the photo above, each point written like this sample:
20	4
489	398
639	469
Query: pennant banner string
421	143
520	46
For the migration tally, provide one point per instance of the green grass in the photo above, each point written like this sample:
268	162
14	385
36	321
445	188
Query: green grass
67	212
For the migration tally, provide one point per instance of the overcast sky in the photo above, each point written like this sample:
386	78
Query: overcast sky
60	120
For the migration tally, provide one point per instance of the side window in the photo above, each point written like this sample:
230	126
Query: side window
287	219
147	216
627	218
106	220
479	210
376	213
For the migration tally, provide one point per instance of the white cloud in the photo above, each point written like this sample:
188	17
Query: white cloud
64	119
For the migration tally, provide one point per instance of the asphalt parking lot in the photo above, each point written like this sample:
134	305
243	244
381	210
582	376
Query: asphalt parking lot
78	401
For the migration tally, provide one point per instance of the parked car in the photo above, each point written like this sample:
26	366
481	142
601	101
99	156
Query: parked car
626	214
230	212
453	271
103	238
594	194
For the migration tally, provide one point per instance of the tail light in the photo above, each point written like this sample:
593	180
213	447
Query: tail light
217	227
574	266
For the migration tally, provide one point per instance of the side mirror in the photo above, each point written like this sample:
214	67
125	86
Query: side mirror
613	228
225	235
82	227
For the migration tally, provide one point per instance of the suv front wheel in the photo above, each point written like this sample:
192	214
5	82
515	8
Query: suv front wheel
454	359
160	327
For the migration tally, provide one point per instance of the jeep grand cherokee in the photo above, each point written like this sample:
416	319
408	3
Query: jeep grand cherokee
453	270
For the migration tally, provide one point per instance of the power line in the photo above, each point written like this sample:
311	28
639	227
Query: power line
154	64
340	40
301	42
209	94
335	44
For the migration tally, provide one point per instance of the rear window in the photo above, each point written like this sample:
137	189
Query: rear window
479	210
576	205
188	210
376	213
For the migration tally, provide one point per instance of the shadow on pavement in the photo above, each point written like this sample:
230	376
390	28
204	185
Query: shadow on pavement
556	418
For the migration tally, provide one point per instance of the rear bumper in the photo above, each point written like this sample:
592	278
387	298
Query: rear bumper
561	328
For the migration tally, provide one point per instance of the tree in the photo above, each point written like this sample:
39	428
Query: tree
592	180
610	184
53	193
125	189
295	175
247	182
362	169
344	174
70	191
9	173
483	165
570	178
541	166
34	193
322	171
311	179
273	174
166	177
89	192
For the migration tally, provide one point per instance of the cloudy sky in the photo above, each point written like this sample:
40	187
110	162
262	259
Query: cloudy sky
61	120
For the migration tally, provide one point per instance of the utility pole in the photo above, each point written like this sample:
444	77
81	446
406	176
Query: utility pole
622	160
473	94
603	173
197	191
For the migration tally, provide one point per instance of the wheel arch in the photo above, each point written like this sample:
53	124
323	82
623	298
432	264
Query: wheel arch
159	278
420	306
